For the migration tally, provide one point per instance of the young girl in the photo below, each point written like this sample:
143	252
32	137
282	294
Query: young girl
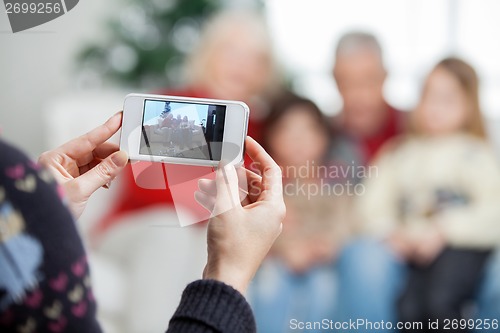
298	279
435	200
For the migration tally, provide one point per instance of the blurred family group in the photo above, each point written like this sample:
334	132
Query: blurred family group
418	243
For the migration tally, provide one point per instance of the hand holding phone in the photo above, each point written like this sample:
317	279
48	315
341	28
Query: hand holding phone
86	163
241	232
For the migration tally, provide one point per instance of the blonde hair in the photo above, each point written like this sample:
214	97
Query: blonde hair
467	77
218	29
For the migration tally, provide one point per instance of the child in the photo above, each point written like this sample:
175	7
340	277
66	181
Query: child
298	279
435	198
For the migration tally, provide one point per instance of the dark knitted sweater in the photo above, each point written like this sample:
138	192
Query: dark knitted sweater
212	306
44	275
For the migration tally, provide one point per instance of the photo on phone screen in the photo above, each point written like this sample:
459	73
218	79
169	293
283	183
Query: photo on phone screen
185	130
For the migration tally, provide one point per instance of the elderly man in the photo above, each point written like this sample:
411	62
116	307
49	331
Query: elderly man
366	120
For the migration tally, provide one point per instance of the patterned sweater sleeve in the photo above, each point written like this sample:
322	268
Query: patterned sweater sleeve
44	277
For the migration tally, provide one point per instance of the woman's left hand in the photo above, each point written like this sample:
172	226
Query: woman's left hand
87	163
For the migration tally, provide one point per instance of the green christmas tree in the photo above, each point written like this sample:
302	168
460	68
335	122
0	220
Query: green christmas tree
148	41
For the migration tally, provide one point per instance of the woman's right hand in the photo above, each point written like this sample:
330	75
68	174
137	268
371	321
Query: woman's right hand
241	232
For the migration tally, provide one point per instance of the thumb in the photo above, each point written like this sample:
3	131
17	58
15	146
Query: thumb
102	173
227	189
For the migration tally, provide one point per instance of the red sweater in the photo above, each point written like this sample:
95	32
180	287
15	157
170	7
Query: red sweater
394	126
155	189
368	147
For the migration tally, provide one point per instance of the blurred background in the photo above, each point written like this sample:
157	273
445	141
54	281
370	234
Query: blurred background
102	48
66	77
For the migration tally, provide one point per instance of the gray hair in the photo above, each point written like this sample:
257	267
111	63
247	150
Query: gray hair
216	29
358	41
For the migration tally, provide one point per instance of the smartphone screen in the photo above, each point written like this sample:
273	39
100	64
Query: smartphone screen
182	130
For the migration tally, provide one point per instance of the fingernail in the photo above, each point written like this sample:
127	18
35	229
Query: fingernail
120	158
114	116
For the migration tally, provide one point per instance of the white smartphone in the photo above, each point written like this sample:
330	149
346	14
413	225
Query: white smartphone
182	130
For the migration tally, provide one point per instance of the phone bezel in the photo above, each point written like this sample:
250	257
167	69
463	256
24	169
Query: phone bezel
235	128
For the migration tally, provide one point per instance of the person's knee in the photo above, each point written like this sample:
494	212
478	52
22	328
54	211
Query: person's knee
489	290
490	285
363	248
370	258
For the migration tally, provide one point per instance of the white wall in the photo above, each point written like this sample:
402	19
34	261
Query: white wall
36	67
